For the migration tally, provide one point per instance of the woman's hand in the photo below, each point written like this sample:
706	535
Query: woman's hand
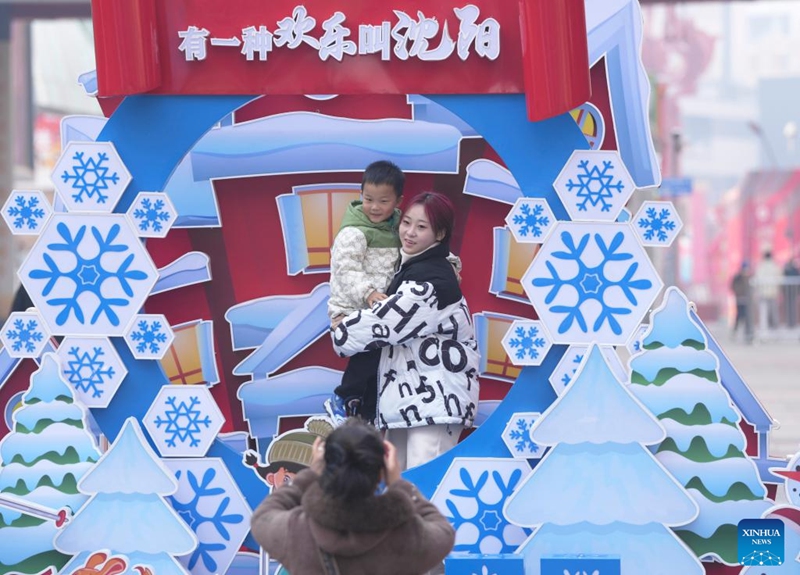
390	463
318	456
374	297
336	321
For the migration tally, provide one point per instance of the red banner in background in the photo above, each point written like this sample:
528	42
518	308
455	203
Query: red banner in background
346	47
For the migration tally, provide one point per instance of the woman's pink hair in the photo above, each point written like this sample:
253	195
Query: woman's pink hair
439	210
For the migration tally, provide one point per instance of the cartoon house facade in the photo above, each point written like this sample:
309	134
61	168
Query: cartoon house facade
259	186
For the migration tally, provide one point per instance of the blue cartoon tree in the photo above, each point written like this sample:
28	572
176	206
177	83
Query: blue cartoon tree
676	376
127	513
44	457
599	490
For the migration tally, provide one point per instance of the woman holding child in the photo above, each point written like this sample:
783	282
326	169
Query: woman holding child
427	388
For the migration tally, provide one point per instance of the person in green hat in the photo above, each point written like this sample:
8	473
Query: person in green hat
288	454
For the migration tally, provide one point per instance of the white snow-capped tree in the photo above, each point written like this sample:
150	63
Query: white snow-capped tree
127	513
677	377
599	490
47	452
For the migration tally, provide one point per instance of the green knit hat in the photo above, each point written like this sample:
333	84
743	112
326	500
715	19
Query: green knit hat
295	447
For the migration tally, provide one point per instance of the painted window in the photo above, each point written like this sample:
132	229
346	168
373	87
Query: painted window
511	260
190	359
490	329
310	218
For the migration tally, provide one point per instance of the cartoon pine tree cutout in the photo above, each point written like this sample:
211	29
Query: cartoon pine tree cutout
47	452
127	513
599	491
676	376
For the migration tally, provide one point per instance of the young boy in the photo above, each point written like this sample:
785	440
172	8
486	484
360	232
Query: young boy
363	259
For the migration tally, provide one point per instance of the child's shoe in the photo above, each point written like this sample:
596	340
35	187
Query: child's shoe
352	406
336	410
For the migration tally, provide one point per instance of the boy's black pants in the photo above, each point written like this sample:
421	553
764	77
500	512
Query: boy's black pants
360	380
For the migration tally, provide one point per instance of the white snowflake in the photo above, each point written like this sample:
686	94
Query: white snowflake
591	282
531	222
25	334
90	177
88	371
182	421
595	185
149	336
472	494
151	214
26	212
526	342
657	224
88	274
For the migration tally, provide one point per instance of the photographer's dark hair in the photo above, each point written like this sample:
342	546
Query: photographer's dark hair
384	172
353	461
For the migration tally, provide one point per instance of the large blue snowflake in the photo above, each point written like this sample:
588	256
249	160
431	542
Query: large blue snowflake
90	177
26	213
182	421
484	517
25	334
595	185
149	336
591	283
88	371
522	436
567	377
657	224
151	214
88	273
531	222
195	518
527	342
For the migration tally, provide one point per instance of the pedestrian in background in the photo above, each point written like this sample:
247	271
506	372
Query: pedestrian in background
742	291
768	278
791	283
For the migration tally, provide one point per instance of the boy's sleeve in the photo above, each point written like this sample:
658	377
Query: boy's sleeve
408	314
347	265
455	261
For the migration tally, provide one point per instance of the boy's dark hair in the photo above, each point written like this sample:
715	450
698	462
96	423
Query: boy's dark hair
353	461
384	172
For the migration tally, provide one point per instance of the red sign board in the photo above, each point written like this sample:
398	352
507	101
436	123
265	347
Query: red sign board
537	47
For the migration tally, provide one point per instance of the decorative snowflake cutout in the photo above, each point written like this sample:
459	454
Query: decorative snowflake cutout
591	282
594	185
88	274
93	367
24	334
565	370
657	223
634	344
183	420
472	494
26	212
526	342
149	336
152	214
210	502
530	220
517	436
90	177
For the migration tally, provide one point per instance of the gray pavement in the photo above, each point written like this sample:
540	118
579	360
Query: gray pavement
771	368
